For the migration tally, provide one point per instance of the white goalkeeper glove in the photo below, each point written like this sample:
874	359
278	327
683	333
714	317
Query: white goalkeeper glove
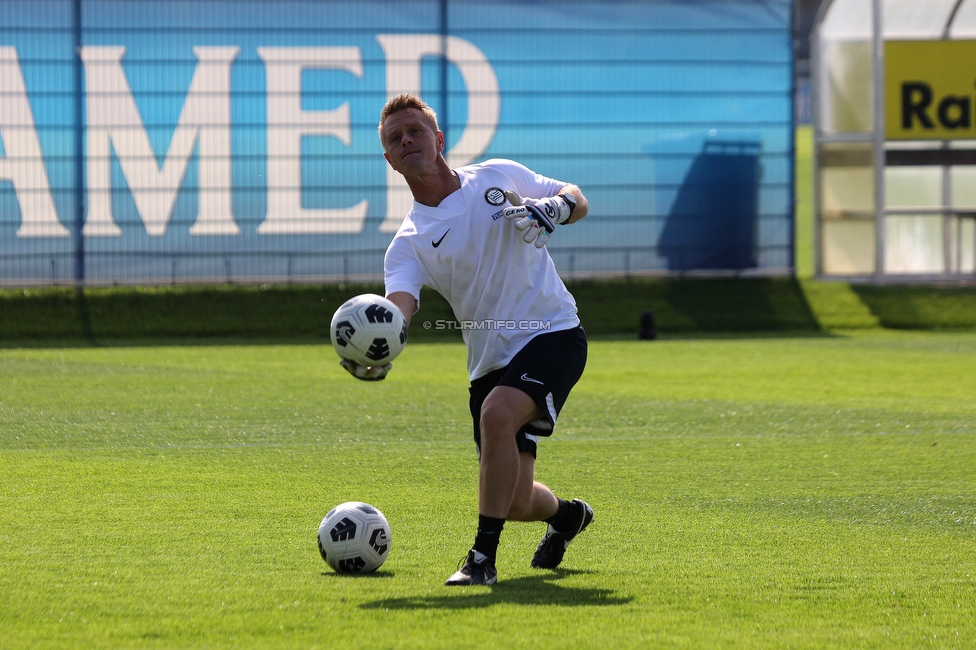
536	219
366	373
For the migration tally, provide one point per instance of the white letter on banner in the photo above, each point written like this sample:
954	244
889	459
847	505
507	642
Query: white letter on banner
114	119
23	164
288	124
403	54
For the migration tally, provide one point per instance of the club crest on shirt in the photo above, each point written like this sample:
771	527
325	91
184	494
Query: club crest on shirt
494	196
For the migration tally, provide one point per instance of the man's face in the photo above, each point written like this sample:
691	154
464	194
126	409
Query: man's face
410	143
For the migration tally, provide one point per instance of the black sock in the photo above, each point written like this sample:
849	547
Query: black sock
565	515
489	530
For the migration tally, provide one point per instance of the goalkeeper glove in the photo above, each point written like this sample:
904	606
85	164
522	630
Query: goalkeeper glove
536	219
366	373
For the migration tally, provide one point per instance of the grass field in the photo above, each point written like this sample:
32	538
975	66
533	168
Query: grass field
610	307
811	491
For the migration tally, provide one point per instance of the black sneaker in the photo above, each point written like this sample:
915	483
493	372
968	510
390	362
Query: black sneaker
554	544
477	570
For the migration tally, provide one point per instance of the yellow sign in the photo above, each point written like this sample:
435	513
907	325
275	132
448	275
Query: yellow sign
930	88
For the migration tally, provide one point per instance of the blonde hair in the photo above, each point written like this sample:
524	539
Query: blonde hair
402	102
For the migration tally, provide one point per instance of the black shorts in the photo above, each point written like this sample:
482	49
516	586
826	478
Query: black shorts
546	369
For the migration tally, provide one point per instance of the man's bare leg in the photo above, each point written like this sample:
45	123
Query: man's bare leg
505	411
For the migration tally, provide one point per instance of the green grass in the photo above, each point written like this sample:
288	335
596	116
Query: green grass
812	491
607	308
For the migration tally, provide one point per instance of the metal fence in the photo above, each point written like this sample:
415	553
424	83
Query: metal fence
156	141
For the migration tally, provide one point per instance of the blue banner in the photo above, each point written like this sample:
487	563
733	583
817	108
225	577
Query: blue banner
236	141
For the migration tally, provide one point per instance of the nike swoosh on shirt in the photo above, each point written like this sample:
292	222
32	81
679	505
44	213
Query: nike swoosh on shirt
438	242
525	377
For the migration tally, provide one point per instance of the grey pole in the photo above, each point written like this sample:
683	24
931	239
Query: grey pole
879	140
78	222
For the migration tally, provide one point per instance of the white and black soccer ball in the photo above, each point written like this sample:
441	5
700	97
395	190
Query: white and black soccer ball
368	330
354	538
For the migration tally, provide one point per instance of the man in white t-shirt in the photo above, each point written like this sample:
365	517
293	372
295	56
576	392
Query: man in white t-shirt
473	238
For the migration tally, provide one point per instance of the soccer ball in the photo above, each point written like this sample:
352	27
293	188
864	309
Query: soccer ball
354	538
368	330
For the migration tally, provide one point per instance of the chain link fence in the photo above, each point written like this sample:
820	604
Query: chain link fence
162	141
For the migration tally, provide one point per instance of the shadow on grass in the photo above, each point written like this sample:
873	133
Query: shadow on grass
233	341
540	589
298	315
723	336
74	342
920	307
683	305
373	575
190	315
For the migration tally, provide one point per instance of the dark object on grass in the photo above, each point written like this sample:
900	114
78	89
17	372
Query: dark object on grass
648	332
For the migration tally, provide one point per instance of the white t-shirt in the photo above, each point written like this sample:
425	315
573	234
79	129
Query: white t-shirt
503	290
